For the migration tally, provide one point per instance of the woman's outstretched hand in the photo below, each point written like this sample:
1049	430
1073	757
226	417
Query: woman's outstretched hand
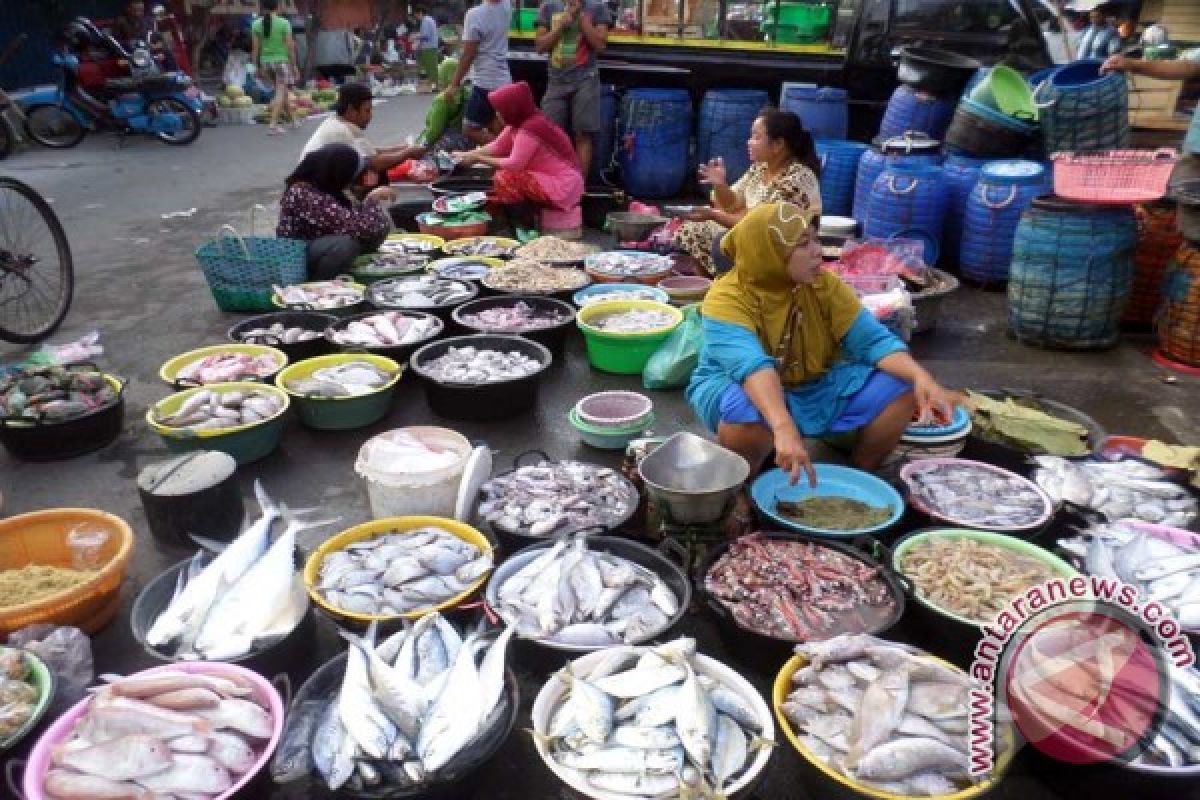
934	403
792	457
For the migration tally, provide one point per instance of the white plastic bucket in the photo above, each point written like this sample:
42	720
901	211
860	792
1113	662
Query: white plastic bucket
400	487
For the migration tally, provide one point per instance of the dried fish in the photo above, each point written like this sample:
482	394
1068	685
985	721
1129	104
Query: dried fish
551	249
489	246
557	497
521	275
480	365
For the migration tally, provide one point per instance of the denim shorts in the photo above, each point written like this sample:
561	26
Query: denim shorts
479	113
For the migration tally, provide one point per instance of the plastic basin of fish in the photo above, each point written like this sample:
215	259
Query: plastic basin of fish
44	440
653	293
246	443
553	338
446	267
296	351
623	353
379	527
783	687
493	400
459	244
594	266
396	352
913	468
40	758
169	372
288	653
620	547
609	438
337	311
341	413
325	683
551	695
442	312
40	678
832	481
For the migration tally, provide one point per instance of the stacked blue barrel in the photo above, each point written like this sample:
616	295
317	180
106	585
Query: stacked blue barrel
839	166
908	201
913	148
724	128
1005	189
655	141
824	110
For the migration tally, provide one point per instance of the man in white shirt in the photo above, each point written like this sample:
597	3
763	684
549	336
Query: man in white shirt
352	114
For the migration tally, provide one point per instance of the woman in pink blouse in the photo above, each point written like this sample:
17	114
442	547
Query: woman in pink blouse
534	159
316	209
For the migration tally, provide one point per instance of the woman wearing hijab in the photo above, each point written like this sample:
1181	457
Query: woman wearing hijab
534	159
789	352
316	209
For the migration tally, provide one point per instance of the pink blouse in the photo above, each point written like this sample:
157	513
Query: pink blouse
560	179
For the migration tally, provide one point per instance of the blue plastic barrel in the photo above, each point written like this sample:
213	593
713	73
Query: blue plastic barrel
602	143
725	119
823	110
915	149
961	174
908	199
839	166
655	137
1082	110
912	110
1004	190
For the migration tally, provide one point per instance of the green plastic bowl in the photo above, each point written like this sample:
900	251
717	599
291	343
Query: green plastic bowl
609	438
341	413
42	679
1007	91
246	443
623	353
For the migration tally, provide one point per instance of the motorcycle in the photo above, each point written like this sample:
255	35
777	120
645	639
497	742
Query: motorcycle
164	105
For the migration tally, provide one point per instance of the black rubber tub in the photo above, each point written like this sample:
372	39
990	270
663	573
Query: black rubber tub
411	200
39	439
214	509
598	202
938	72
288	654
322	687
554	338
400	352
770	651
460	185
481	402
985	138
296	351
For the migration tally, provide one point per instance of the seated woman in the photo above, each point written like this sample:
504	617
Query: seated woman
789	352
785	169
317	209
534	159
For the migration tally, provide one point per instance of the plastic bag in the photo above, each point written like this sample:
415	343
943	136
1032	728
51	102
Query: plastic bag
85	348
672	364
68	654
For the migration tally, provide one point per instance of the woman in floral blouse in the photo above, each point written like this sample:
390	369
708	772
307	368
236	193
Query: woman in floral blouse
317	209
785	169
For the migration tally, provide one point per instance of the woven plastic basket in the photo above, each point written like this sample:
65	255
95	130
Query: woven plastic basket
241	270
1179	317
1114	177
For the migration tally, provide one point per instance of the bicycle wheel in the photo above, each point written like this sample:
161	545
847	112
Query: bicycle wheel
191	120
37	275
53	126
8	137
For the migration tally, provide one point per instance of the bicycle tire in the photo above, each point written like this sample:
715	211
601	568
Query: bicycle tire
8	136
66	266
75	131
179	107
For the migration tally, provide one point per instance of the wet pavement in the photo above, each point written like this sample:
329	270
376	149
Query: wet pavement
139	285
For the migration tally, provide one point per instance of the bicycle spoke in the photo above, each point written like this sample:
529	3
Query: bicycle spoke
34	274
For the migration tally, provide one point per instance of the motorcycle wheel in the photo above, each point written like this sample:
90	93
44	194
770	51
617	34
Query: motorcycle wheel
191	120
53	126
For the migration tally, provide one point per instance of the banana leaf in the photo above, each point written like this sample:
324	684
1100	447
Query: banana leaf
1013	422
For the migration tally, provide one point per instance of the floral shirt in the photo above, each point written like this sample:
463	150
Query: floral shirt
307	213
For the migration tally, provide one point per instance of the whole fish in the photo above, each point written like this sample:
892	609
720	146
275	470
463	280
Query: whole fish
456	714
190	773
122	759
361	717
68	785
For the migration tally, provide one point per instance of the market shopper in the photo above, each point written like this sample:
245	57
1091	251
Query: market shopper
427	44
352	115
534	160
485	59
790	352
274	55
573	34
316	208
1100	39
1181	70
784	169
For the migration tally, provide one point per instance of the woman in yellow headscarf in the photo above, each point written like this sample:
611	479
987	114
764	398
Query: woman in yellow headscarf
790	352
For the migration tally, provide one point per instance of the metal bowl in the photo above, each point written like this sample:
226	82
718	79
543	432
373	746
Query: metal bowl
693	478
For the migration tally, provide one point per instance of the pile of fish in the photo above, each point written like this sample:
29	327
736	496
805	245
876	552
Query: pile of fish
620	294
534	277
557	497
976	495
629	264
552	249
970	578
250	592
480	365
278	333
882	715
463	269
226	367
799	590
652	722
319	295
391	263
1162	570
18	696
637	320
424	291
164	734
351	379
458	203
1117	489
517	318
53	393
385	329
208	410
1178	741
399	573
481	246
404	244
407	709
571	595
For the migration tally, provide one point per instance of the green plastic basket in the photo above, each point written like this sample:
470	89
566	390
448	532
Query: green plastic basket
1007	91
240	270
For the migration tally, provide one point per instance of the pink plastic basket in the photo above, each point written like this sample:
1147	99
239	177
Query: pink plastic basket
1114	177
39	758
